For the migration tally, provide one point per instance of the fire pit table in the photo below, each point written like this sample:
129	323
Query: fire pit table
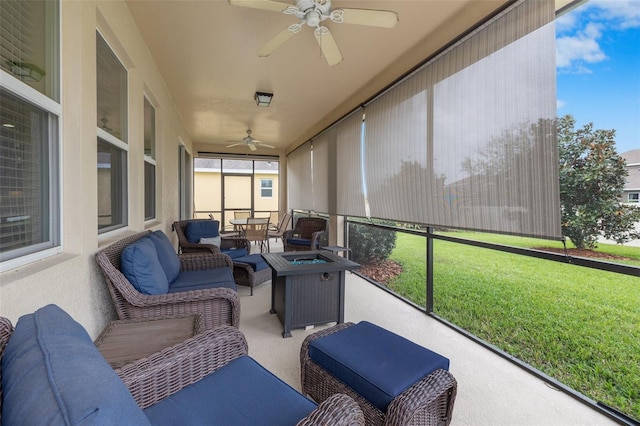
307	287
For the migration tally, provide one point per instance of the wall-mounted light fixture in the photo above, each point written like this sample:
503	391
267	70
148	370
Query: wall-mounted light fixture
263	99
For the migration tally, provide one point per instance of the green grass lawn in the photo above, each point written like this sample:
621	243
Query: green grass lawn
578	325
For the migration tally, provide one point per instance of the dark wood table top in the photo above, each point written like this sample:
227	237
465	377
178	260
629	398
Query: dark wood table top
125	341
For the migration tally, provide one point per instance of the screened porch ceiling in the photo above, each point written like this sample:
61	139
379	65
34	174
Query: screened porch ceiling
206	53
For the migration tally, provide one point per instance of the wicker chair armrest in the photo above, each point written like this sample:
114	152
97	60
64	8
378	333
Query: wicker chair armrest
228	242
200	261
304	349
166	372
337	410
434	395
316	237
287	234
188	247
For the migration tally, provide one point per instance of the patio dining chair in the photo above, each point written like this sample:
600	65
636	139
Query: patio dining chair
257	230
277	230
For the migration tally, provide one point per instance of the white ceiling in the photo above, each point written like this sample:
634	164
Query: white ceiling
205	51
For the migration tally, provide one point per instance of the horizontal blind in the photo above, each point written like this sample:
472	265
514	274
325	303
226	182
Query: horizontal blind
299	181
351	192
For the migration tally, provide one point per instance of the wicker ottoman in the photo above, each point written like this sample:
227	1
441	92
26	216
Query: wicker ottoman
395	381
250	270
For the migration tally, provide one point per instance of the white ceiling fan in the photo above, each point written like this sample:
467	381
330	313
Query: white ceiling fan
313	13
250	142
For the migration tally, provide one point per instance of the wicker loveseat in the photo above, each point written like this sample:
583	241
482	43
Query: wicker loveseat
52	374
218	304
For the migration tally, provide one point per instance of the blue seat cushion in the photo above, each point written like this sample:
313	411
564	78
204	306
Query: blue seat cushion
235	253
203	279
255	260
201	229
300	242
140	264
52	373
240	393
166	254
374	362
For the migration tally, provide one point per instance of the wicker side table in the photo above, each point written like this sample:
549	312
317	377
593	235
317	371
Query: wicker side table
125	341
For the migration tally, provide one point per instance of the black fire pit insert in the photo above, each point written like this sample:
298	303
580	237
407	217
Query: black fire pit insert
307	287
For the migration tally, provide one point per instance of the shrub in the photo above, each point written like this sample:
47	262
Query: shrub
369	244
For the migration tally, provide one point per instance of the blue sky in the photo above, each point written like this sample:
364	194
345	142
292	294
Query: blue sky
598	67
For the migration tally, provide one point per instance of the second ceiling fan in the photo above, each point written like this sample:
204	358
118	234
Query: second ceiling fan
313	13
250	142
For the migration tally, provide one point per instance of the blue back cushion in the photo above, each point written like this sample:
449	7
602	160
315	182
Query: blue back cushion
240	393
376	363
52	373
201	229
301	242
140	264
166	255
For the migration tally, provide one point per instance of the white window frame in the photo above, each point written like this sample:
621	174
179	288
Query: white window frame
151	160
262	188
635	199
118	144
8	82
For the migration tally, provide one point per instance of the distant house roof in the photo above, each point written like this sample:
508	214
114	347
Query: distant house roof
632	159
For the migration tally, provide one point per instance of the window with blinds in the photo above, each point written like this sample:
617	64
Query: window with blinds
112	116
29	142
29	43
149	160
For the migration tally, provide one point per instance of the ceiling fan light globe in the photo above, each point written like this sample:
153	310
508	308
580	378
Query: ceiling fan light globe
313	18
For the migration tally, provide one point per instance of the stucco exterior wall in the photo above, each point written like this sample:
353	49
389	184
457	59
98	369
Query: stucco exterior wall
72	279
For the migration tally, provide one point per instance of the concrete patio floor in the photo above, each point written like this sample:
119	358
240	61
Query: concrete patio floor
491	390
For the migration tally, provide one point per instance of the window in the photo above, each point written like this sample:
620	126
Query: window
634	197
266	188
29	138
149	160
112	139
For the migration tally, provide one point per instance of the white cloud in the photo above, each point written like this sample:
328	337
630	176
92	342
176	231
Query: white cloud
560	104
580	48
623	13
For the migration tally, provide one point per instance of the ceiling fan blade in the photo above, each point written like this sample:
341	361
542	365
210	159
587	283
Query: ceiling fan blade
252	146
275	42
235	144
267	145
328	45
374	18
273	6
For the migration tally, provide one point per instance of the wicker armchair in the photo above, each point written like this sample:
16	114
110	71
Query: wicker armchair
218	306
165	373
226	242
307	234
243	274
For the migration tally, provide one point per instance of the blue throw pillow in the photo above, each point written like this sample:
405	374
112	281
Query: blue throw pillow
166	255
52	373
201	229
140	264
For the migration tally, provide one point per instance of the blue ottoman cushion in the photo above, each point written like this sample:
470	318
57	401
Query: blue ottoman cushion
255	260
374	362
52	373
240	393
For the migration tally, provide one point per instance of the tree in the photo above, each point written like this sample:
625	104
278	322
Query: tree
592	177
